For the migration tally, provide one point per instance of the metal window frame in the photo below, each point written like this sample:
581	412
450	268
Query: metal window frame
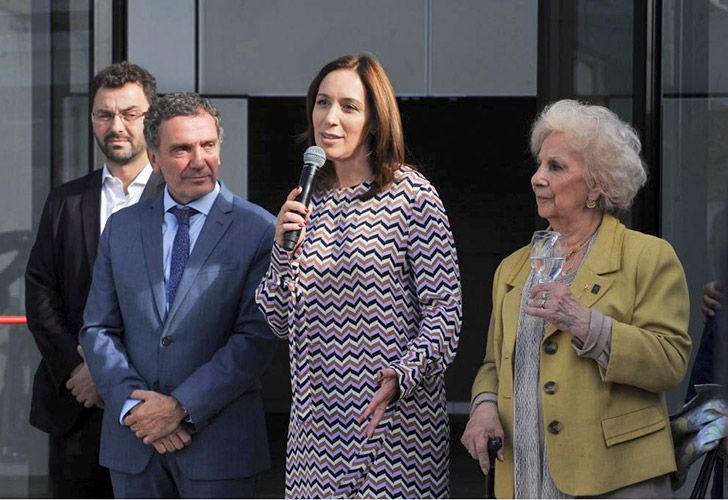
556	55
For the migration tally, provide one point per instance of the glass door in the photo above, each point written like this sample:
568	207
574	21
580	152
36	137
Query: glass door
44	141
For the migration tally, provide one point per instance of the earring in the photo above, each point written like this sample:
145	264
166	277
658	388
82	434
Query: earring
591	203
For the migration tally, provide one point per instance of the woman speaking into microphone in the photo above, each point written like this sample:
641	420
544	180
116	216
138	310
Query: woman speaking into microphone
369	299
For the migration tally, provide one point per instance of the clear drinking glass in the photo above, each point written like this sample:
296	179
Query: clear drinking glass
548	253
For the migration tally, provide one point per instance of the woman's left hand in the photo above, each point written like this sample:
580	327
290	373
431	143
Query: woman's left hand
555	303
388	389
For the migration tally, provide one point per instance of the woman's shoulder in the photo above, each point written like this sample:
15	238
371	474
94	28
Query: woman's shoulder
637	241
411	184
512	265
646	251
516	258
617	241
407	177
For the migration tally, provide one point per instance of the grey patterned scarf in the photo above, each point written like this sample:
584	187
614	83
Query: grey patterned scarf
531	471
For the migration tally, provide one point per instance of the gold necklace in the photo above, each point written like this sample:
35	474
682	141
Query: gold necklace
577	248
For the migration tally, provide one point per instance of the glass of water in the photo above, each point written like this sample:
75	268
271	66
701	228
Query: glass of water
548	253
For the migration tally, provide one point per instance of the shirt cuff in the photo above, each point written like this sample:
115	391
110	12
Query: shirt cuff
598	343
187	420
128	405
483	397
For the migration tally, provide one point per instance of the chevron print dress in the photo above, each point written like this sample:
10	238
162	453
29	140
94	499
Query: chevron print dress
374	284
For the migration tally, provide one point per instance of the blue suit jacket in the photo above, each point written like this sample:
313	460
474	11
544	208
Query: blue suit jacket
216	345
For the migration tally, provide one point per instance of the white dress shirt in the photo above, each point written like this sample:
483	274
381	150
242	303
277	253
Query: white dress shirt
113	197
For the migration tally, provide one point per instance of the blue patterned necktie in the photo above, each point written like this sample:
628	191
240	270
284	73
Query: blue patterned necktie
180	250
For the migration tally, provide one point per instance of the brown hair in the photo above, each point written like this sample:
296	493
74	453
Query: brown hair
386	141
119	74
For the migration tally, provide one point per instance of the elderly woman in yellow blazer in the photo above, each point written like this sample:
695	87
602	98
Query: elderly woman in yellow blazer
575	370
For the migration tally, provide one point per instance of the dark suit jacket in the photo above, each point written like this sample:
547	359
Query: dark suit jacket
208	351
57	280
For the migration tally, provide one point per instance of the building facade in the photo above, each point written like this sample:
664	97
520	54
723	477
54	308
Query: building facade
470	75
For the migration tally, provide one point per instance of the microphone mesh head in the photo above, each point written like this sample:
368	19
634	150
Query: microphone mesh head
314	156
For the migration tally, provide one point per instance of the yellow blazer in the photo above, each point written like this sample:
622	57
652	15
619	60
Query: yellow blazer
604	429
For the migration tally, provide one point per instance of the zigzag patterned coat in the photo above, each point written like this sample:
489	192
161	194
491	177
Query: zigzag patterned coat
374	284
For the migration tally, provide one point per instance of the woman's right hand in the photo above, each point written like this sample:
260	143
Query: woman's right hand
484	424
293	216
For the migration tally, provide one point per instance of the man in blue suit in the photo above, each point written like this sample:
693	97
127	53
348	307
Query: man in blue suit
172	335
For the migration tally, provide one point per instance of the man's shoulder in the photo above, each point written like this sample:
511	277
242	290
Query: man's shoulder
78	186
140	212
253	212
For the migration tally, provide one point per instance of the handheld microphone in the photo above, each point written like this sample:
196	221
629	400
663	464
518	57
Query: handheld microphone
313	158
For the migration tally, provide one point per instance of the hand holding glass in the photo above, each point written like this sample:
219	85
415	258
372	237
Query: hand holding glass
548	253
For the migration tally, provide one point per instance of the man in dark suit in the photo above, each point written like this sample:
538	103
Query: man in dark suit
65	403
171	332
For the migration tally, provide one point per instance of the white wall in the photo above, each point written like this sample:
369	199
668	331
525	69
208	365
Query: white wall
275	47
161	38
234	150
483	48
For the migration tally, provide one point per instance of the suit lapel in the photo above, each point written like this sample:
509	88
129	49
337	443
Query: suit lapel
91	209
151	224
91	216
512	303
154	186
592	281
151	219
217	223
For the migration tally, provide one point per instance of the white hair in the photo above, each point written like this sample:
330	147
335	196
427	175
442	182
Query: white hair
610	149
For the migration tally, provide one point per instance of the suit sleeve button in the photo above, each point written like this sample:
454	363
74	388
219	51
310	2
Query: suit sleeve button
166	341
554	427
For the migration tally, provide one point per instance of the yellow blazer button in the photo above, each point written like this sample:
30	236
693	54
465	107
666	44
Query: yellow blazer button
550	347
554	427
